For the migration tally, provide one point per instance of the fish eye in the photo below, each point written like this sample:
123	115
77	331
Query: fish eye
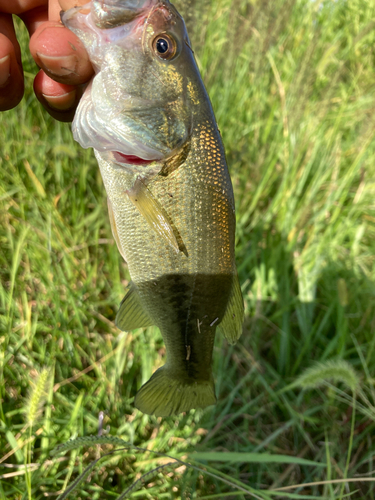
164	46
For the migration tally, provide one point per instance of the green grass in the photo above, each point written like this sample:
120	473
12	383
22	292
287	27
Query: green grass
292	85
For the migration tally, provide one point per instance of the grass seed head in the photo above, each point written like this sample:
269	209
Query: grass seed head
36	397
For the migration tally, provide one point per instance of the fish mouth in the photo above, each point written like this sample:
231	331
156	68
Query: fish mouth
131	159
169	162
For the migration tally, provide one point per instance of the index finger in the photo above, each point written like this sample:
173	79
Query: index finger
57	50
64	62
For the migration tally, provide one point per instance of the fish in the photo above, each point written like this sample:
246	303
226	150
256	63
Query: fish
148	117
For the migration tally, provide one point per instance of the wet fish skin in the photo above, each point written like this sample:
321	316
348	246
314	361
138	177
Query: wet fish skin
172	218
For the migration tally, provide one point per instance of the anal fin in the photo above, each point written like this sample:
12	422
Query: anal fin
155	215
131	314
231	324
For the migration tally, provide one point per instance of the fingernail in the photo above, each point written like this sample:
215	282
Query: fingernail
4	70
61	102
61	65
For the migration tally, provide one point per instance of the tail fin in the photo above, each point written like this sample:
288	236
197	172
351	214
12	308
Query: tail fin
166	394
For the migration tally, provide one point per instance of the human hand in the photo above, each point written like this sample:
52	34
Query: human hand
63	60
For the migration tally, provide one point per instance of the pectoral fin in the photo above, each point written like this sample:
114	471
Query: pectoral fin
155	215
131	314
231	324
114	228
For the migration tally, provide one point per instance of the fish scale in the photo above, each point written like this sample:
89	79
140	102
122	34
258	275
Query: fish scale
173	215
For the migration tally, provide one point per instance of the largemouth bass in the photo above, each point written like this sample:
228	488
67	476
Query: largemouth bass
148	117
